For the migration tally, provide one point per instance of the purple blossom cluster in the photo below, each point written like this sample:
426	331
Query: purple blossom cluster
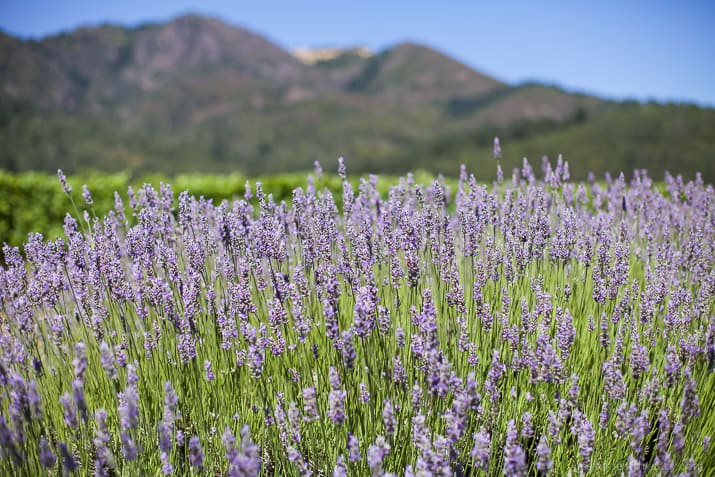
534	327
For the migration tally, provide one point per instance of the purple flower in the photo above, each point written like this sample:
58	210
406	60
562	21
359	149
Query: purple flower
34	401
120	353
80	360
399	375
317	170
421	435
514	457
543	456
376	454
565	332
342	169
690	404
672	363
635	468
68	461
340	469
416	396
19	405
48	459
388	417
473	358
497	148
256	357
166	467
400	337
165	431
426	320
603	416
625	417
130	451
70	411
86	195
196	453
229	443
128	409
364	393
336	406
334	379
107	360
527	430
247	462
639	359
66	188
186	345
347	349
585	434
354	454
614	384
310	405
481	450
101	441
639	428
678	437
171	402
208	371
78	395
294	422
496	371
365	312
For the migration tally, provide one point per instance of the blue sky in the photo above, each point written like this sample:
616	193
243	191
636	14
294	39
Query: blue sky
662	50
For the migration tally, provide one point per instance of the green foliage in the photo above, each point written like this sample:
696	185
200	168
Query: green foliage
618	138
655	137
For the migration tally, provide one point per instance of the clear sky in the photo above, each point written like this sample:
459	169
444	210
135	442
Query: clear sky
638	49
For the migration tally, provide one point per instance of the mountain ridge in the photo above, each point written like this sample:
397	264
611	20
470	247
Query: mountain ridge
151	96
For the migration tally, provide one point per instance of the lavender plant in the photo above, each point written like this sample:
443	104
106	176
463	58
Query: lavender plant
534	327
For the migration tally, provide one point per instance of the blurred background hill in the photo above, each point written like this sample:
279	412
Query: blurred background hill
196	94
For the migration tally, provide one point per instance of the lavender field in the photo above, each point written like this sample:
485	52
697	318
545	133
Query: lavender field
533	326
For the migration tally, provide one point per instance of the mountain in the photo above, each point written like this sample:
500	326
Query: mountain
198	94
93	69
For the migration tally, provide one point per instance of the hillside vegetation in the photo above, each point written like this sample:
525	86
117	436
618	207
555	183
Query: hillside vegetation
198	95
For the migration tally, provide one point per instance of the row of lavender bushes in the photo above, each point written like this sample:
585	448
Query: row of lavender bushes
32	201
532	327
